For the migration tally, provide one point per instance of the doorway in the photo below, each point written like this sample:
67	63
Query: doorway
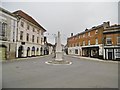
110	55
20	52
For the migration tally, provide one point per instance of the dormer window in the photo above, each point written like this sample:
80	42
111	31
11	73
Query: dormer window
96	31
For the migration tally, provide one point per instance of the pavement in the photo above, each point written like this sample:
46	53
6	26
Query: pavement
95	59
26	58
82	73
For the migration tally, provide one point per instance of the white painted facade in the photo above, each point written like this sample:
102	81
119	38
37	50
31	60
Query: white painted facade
71	50
114	50
29	43
9	38
50	49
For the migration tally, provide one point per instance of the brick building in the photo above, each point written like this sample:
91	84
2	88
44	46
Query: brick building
88	43
112	42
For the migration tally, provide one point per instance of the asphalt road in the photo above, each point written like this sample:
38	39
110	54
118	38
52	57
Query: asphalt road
82	73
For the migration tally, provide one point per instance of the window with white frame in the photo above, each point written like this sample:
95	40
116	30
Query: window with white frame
14	23
88	42
88	33
22	24
96	41
33	37
83	35
37	39
33	29
108	41
79	43
118	40
27	37
83	43
28	27
0	28
4	27
38	31
21	35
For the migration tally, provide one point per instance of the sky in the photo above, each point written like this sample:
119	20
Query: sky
67	17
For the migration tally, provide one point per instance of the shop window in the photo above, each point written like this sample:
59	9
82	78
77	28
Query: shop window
118	53
76	51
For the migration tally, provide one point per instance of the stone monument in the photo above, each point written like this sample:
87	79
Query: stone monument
58	54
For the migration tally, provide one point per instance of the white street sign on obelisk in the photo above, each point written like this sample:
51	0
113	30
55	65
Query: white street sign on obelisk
58	48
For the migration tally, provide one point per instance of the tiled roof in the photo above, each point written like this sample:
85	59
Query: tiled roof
87	30
27	17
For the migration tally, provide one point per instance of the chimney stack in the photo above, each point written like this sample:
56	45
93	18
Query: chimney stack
71	34
106	24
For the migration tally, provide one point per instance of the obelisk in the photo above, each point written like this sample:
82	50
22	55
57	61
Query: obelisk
59	49
59	54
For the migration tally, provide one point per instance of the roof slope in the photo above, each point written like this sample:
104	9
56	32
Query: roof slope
27	17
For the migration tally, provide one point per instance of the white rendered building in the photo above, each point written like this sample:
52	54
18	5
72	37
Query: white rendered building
30	39
8	27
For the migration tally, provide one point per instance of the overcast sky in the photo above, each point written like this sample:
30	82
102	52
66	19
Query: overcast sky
67	17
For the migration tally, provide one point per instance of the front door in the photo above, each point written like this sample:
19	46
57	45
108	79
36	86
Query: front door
110	55
20	51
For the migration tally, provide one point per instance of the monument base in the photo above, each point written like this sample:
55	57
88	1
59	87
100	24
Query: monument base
59	56
56	62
